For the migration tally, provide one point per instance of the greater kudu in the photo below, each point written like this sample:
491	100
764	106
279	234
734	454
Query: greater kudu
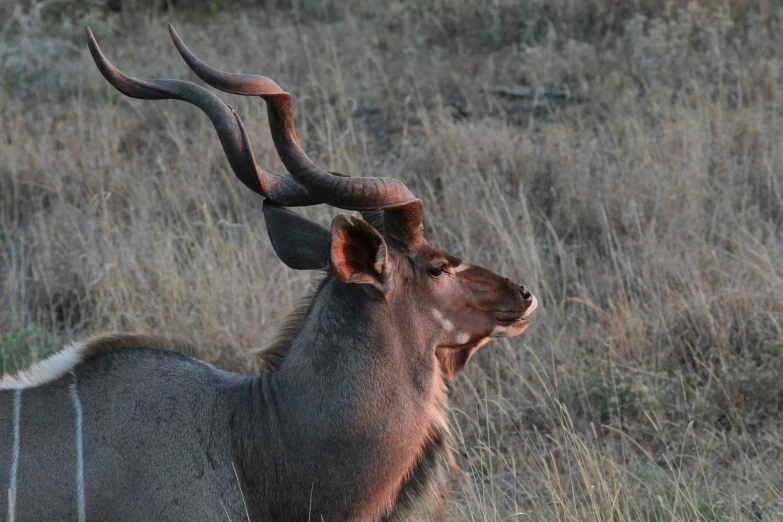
348	423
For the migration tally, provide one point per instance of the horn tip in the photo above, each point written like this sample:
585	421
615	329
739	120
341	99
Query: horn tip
92	44
176	39
174	35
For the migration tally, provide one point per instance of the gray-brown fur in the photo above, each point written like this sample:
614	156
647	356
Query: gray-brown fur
146	446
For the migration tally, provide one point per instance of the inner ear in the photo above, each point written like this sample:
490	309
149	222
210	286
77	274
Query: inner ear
358	252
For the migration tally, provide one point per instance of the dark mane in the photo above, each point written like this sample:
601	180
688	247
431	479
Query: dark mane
273	354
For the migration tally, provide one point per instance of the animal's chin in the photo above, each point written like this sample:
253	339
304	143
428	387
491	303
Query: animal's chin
470	346
454	357
513	329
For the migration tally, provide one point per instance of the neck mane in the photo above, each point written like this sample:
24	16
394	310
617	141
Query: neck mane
275	353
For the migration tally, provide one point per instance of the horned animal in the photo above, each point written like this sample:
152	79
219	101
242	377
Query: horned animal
348	422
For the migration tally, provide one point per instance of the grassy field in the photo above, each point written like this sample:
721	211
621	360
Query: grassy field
638	193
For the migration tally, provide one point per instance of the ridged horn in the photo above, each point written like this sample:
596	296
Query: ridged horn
361	193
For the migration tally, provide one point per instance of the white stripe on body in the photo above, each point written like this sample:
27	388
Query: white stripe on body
15	457
77	406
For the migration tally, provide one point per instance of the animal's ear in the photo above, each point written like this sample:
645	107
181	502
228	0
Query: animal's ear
298	242
358	252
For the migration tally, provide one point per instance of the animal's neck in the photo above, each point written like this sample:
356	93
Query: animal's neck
353	405
348	331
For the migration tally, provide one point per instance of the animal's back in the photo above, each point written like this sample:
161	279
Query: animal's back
133	434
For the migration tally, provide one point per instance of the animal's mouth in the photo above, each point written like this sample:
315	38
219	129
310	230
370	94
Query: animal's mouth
515	318
505	319
510	324
510	328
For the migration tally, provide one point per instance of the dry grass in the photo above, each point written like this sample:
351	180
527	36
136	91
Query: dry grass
647	215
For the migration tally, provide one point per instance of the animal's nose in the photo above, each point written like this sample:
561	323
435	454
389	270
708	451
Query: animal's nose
525	293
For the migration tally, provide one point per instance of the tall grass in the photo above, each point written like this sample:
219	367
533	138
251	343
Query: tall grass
645	212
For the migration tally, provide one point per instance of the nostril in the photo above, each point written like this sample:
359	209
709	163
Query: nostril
525	292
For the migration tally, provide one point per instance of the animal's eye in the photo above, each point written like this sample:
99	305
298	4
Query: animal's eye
436	270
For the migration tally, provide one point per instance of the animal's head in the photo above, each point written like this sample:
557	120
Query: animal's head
462	305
